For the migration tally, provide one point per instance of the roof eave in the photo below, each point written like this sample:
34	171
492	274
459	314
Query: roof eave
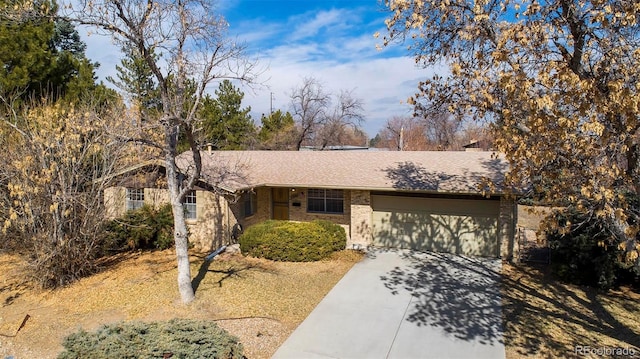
367	188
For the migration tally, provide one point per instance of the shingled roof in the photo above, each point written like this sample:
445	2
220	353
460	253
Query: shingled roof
423	171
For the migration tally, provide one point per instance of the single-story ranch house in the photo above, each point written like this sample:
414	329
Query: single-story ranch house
436	201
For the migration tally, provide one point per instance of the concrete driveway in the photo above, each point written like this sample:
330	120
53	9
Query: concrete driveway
405	304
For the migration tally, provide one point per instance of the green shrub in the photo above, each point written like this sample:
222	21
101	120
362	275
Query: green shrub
142	228
588	255
182	338
163	238
293	241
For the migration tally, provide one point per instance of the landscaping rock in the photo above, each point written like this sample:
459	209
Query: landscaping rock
233	249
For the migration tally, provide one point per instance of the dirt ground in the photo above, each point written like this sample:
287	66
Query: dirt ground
259	301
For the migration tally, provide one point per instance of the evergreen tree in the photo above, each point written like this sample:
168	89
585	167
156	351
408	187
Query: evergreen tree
277	131
225	124
375	141
136	79
26	55
42	56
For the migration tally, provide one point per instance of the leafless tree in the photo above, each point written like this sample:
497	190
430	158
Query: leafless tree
439	132
185	44
321	121
442	130
309	104
404	134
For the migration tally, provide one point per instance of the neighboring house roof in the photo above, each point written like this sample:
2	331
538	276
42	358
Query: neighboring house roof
338	148
424	171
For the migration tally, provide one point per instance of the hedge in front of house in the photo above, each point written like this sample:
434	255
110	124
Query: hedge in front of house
179	338
293	241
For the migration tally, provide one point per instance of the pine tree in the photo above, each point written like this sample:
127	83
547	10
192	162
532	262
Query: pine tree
225	124
136	79
42	56
26	54
278	131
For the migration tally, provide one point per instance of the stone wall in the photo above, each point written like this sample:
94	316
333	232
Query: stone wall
217	216
156	197
114	202
214	223
361	214
263	212
530	217
214	217
506	228
115	199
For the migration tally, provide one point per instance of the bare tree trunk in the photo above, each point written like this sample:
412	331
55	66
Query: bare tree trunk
182	254
197	53
180	227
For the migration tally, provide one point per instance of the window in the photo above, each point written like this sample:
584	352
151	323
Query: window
250	201
135	198
325	200
189	204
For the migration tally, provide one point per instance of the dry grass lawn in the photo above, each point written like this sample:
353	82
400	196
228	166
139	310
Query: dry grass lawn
548	319
262	302
257	300
545	318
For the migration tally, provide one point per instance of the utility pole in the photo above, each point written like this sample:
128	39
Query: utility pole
271	103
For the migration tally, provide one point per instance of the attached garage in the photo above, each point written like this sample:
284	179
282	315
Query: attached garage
467	226
430	201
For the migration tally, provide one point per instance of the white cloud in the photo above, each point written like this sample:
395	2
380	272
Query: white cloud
305	27
256	31
384	84
335	46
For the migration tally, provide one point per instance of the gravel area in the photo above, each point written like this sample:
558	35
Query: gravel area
261	337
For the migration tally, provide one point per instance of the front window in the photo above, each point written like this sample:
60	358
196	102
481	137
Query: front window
250	201
325	200
135	198
190	205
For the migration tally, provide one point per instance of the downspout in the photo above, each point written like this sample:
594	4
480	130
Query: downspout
215	253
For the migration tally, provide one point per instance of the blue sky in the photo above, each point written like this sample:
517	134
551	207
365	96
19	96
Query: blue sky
330	40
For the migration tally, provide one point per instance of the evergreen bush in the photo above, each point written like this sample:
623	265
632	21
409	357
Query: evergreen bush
588	254
293	241
142	228
177	338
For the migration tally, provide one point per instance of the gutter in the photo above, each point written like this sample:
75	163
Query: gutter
365	188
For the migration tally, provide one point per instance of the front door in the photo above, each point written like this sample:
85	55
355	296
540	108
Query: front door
280	197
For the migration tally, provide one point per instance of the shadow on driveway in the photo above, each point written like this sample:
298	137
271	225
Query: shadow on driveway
403	304
459	295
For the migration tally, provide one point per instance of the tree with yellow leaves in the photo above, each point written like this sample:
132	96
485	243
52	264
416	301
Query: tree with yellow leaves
559	81
52	175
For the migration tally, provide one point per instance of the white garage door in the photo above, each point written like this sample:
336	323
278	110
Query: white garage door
462	226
